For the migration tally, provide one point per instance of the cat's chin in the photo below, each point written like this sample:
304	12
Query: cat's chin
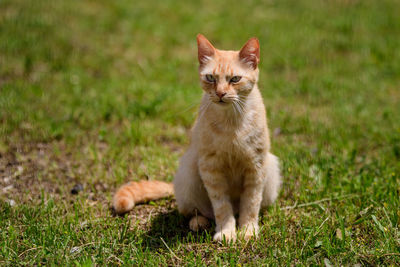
222	104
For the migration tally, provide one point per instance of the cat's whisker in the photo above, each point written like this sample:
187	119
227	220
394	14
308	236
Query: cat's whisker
204	109
235	111
240	113
188	108
239	116
242	105
242	99
240	108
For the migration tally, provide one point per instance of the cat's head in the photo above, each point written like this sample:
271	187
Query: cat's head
226	76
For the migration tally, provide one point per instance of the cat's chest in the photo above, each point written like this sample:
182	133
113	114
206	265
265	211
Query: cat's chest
238	144
236	152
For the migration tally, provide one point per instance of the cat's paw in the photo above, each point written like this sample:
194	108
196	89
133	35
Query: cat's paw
225	234
249	231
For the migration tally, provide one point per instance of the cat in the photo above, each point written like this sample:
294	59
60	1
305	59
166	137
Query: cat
227	168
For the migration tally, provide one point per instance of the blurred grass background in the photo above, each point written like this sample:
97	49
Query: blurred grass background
102	92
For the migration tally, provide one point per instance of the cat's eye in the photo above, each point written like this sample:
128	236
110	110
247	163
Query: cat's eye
235	79
210	78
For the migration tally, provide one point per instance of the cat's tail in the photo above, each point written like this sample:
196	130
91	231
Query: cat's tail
137	192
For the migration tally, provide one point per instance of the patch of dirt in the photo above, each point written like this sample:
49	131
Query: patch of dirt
28	172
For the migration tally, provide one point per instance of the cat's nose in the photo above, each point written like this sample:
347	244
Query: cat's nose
220	94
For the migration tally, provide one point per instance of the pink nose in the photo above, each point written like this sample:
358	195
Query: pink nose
220	94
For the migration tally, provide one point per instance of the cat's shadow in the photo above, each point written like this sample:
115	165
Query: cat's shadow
170	228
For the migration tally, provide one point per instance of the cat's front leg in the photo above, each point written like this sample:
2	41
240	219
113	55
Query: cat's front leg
250	203
217	188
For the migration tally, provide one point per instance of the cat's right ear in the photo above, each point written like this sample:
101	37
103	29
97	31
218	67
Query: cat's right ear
205	49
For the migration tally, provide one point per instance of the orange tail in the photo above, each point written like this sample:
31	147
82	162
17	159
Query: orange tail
137	192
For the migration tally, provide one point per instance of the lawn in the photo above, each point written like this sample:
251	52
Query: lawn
98	93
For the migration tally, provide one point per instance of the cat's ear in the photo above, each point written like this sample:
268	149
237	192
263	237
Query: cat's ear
205	49
250	53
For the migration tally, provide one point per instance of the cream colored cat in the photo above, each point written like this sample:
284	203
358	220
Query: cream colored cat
227	168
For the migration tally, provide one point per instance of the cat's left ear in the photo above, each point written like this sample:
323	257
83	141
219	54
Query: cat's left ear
250	53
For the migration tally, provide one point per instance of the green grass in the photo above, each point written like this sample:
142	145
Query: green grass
104	92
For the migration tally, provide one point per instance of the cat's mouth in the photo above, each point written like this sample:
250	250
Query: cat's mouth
221	102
